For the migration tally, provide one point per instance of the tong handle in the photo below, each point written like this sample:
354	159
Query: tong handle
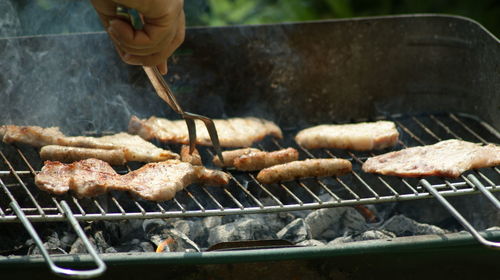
162	89
132	15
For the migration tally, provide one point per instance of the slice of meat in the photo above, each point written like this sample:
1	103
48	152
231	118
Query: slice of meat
194	158
260	160
234	132
448	158
359	136
303	169
229	156
86	178
32	135
133	147
71	154
154	181
160	181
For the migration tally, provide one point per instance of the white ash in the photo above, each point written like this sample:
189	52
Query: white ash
193	229
295	232
52	244
324	219
243	229
367	235
311	242
329	223
404	226
211	222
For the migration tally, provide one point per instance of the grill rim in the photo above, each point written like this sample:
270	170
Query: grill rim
408	244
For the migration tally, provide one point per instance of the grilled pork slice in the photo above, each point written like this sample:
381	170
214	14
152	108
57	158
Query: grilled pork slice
160	181
154	181
303	169
234	132
448	158
32	135
133	147
229	156
360	136
71	154
194	158
260	160
86	178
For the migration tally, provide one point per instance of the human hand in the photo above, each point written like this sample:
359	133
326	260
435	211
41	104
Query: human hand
163	32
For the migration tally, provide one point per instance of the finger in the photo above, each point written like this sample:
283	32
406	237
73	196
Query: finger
150	36
160	57
162	68
165	43
141	49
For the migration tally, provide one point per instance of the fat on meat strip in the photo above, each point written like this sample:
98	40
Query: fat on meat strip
233	133
157	181
303	169
127	146
32	135
359	136
257	160
448	158
229	156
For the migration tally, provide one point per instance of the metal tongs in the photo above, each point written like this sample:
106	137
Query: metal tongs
164	92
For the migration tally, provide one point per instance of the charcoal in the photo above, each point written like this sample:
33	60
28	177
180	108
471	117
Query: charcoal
324	219
173	241
191	228
52	245
67	240
101	241
295	232
152	225
211	222
79	248
275	221
353	221
134	245
367	235
311	242
404	226
243	229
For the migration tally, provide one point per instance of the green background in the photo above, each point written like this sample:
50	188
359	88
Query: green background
35	17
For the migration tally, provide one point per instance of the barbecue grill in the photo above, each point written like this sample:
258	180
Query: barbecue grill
435	76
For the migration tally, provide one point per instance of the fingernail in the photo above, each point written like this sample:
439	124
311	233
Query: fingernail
112	32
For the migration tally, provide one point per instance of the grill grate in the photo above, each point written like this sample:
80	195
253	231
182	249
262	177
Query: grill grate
244	195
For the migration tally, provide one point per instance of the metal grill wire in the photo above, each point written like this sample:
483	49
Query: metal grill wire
19	165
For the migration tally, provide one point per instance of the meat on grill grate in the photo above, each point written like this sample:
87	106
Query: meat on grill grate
132	147
229	156
359	136
448	158
233	132
153	181
303	169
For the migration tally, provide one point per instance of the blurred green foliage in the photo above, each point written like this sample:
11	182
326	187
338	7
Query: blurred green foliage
228	12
